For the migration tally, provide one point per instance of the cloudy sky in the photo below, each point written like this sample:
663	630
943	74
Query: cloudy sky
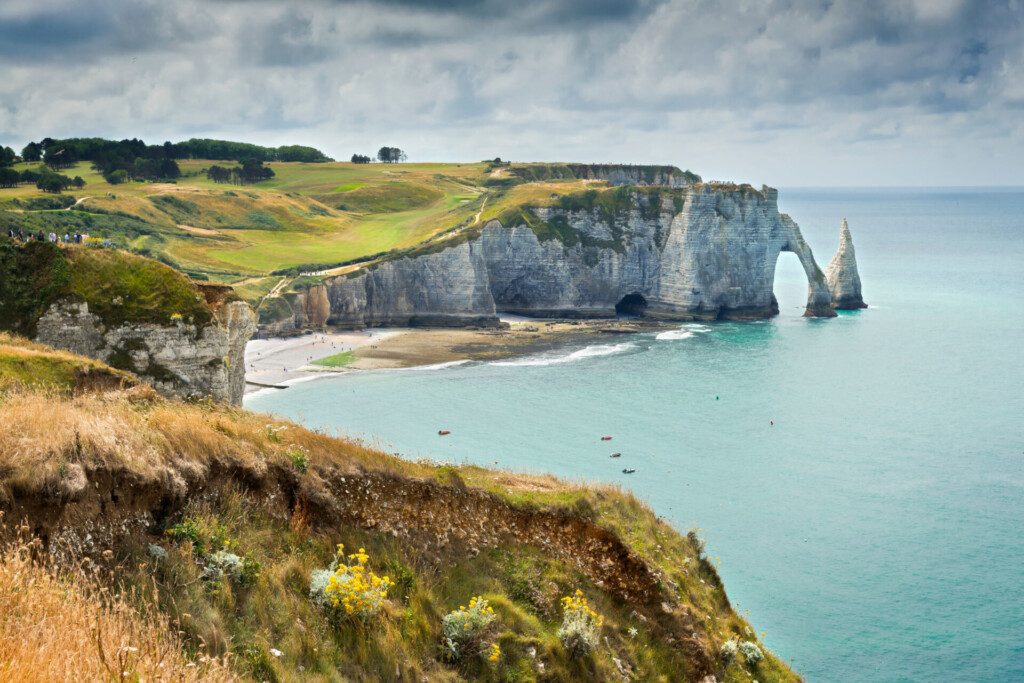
787	92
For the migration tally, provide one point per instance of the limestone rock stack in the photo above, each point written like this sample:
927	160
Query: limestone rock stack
843	278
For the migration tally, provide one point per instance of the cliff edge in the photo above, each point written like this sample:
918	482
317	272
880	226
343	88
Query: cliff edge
131	312
697	252
221	519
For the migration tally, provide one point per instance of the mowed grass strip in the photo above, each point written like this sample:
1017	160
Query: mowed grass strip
338	360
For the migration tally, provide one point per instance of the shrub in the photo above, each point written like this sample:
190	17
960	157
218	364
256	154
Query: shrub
467	630
239	569
348	588
186	530
300	460
751	651
581	626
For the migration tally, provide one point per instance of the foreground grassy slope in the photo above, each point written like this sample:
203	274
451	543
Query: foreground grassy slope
146	488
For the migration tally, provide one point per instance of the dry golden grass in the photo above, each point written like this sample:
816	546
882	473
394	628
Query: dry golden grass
155	440
52	629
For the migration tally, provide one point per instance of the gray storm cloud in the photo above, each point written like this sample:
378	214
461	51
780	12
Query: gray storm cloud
786	92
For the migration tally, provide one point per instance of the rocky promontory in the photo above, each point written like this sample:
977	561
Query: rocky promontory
698	252
131	312
843	278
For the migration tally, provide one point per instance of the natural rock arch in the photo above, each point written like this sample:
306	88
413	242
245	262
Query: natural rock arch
819	299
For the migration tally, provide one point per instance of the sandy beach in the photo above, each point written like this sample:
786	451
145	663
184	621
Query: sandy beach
278	362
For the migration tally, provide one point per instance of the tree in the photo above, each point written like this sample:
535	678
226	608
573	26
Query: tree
9	177
57	156
360	159
391	155
7	156
116	177
53	182
218	174
32	152
78	182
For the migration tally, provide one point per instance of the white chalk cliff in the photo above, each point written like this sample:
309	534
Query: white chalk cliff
843	278
697	252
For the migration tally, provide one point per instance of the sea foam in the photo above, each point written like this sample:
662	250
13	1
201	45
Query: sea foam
580	354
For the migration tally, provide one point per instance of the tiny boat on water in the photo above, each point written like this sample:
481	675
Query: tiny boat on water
606	438
628	471
443	432
615	455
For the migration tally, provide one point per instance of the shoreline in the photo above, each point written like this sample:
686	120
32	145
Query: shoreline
278	362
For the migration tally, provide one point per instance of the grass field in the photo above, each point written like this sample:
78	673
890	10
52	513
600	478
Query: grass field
307	216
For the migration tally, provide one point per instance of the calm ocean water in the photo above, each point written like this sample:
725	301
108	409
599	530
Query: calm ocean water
876	532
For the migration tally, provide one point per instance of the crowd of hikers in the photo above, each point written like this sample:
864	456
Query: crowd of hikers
40	236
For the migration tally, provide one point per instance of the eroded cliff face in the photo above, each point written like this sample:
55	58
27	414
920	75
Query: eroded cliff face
693	253
181	359
843	278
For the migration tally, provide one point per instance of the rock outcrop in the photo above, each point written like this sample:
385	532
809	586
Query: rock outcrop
694	253
842	276
182	359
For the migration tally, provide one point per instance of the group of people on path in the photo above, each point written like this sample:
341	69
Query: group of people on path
40	236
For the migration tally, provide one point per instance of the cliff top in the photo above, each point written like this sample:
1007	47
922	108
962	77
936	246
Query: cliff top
112	476
118	286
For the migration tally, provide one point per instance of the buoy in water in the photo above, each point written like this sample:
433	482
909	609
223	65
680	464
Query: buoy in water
443	432
606	438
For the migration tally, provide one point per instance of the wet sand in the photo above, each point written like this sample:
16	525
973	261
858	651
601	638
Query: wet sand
279	362
522	337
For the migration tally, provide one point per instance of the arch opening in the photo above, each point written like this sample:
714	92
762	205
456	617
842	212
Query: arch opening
789	285
631	305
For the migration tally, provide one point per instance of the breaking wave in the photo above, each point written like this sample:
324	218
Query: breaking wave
579	354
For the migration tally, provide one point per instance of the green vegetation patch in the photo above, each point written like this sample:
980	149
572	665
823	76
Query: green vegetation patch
274	310
386	198
25	364
121	287
50	203
338	360
348	187
32	277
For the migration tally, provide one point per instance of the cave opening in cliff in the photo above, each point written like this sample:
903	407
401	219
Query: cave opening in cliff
631	305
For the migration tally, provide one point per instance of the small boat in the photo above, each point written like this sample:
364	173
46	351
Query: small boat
628	471
606	438
615	455
443	432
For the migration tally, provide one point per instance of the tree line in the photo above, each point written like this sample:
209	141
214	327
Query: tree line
249	171
45	179
385	155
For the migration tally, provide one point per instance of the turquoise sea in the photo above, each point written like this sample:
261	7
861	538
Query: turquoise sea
876	531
